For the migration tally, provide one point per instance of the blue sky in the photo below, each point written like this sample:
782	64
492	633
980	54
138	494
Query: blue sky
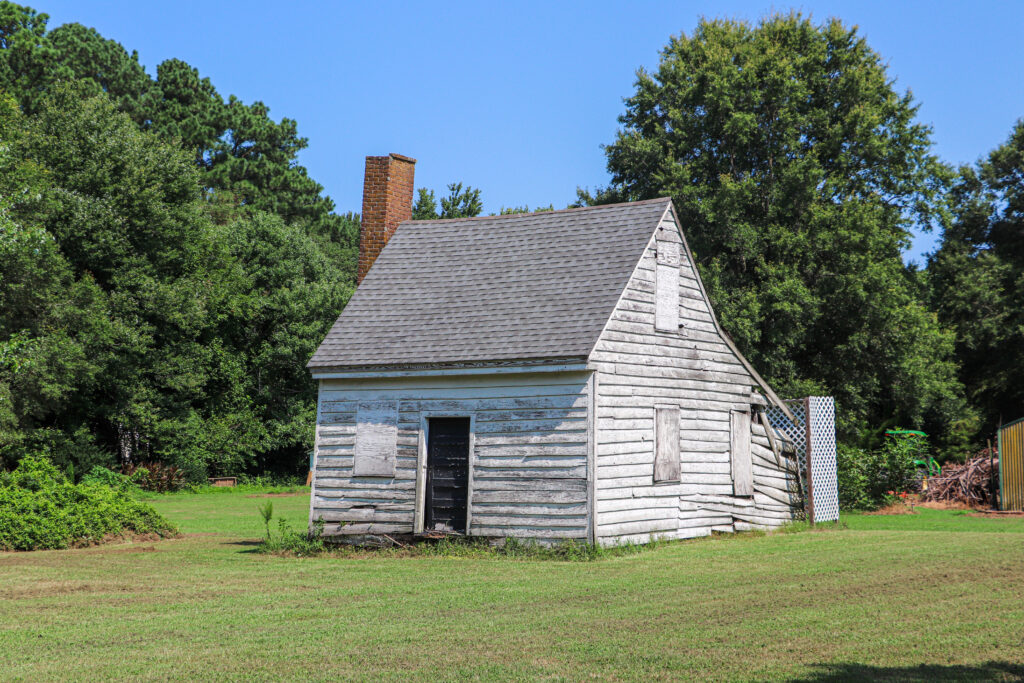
516	98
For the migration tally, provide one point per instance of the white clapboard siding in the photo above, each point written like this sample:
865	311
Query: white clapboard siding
640	369
529	465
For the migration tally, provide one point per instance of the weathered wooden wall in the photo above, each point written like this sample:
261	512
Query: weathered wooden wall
639	369
528	469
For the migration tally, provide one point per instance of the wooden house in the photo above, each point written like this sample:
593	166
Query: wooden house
555	375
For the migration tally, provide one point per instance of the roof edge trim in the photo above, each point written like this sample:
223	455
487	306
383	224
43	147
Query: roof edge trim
535	213
435	371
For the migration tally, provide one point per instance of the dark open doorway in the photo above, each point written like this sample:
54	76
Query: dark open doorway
447	474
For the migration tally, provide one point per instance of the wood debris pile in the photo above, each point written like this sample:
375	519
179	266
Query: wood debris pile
973	483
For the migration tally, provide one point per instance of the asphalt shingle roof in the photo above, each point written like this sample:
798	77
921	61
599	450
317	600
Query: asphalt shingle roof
523	286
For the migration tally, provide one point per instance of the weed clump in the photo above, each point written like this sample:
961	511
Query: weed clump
40	509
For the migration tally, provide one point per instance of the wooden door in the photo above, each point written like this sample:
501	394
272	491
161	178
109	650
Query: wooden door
447	474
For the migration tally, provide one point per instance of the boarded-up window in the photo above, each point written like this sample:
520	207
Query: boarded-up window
666	313
742	472
666	444
376	439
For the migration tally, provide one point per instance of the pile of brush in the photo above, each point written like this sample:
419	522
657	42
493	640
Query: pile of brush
974	483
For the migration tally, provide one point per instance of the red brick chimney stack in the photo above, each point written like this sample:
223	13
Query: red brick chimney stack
387	201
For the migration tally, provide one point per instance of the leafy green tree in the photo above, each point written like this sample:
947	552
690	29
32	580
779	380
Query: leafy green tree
524	209
460	203
28	62
798	173
425	206
977	278
104	65
140	320
247	156
54	331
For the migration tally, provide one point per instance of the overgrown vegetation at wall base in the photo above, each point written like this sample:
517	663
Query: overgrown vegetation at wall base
289	542
41	510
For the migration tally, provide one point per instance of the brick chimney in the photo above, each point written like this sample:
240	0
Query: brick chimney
387	201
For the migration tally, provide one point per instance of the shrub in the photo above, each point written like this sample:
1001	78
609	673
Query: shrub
287	541
269	480
866	476
155	476
41	509
101	476
853	478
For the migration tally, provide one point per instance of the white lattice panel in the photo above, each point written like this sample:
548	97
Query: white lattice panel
821	423
795	432
815	425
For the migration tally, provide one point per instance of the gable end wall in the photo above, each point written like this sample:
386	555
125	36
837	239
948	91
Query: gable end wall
639	369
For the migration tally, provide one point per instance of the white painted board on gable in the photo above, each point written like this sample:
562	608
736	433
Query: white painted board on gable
666	313
376	448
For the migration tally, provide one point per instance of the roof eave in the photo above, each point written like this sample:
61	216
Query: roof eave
516	366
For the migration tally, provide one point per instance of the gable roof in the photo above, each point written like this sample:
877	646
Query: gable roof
514	287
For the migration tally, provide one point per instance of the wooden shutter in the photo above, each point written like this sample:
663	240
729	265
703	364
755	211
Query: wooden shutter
742	471
666	444
376	452
666	312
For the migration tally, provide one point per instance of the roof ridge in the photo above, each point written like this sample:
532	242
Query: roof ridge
536	213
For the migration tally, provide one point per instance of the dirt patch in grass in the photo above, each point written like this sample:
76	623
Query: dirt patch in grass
945	505
894	509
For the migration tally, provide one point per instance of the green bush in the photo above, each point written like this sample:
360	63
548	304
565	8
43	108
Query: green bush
852	477
288	541
40	509
101	476
156	476
866	476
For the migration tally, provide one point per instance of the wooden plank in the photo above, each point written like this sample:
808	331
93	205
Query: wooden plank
376	440
575	485
323	503
742	474
668	502
542	510
775	495
442	392
506	472
592	437
666	318
666	440
559	496
363	515
366	528
560	437
495	428
644	527
529	532
524	520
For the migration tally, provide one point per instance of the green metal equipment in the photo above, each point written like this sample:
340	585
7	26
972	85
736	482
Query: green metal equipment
930	465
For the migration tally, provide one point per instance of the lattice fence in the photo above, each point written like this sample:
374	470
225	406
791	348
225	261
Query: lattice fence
814	429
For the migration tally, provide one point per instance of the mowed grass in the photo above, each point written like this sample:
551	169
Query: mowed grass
924	597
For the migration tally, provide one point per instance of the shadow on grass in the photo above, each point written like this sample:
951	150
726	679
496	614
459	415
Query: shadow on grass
246	546
991	671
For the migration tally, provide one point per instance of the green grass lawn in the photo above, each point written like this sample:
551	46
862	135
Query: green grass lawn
925	597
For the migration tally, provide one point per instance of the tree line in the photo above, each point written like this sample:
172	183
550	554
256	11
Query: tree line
167	266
